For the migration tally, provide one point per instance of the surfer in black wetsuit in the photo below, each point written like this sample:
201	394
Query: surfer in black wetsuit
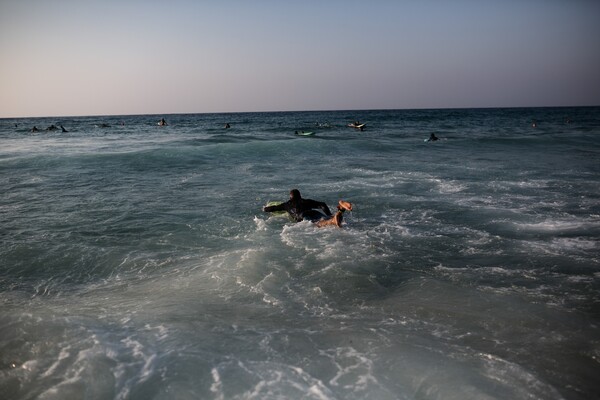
432	138
301	209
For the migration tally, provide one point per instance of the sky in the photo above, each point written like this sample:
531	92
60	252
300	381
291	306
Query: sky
119	57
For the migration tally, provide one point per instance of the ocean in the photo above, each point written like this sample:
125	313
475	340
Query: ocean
136	261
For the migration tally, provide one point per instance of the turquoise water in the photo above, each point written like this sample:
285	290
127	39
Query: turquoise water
136	263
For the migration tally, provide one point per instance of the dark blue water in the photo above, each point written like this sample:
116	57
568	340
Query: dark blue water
136	263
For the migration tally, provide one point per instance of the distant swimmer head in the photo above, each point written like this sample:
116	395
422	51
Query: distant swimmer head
295	194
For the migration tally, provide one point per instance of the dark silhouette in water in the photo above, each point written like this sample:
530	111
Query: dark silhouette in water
432	138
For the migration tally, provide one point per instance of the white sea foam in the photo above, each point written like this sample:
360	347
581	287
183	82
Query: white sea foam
448	186
579	244
260	224
559	225
565	246
64	353
524	383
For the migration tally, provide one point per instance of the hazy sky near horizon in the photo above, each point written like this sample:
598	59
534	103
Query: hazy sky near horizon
109	57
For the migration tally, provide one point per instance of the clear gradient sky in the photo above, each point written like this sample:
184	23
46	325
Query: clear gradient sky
114	57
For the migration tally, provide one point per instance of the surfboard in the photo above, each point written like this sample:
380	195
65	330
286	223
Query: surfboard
305	133
357	126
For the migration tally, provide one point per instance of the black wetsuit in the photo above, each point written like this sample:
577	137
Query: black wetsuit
302	209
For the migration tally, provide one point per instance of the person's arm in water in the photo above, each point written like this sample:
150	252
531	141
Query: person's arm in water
289	207
308	203
278	207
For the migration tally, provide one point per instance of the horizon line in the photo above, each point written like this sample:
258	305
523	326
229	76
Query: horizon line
300	111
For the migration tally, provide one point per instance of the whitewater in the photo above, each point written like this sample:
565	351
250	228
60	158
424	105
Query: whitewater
136	261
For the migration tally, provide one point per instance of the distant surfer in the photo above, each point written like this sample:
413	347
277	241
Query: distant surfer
62	128
35	129
227	126
432	138
357	125
51	128
162	122
300	209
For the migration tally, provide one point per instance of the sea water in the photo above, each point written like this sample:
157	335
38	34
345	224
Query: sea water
136	261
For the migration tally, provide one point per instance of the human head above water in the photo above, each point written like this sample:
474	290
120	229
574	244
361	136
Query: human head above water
295	194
